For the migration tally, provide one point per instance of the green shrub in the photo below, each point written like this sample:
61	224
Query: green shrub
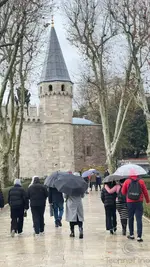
6	190
147	182
146	210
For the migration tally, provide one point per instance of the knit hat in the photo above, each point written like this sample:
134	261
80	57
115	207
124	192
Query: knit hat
17	182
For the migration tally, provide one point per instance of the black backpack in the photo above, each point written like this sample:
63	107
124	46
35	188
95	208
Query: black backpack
134	190
121	197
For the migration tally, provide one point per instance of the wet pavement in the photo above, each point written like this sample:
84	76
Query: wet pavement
57	249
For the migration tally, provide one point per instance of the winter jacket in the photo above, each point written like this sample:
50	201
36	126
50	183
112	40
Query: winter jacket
74	209
37	193
93	178
55	196
17	197
1	200
143	187
108	199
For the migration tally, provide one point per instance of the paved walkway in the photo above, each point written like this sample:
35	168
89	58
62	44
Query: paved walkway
57	249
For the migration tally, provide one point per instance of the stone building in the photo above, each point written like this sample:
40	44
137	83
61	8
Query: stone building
52	139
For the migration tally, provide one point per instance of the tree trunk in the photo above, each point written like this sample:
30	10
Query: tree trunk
4	170
148	131
111	162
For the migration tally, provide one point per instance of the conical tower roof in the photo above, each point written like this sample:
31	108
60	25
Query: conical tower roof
54	68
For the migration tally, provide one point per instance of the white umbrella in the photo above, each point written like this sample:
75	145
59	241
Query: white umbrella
127	169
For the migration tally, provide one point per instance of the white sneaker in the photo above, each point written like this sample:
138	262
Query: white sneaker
12	233
20	234
42	233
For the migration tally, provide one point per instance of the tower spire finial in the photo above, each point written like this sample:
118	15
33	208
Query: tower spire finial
52	22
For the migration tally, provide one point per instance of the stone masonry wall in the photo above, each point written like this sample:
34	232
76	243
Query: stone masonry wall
88	136
31	160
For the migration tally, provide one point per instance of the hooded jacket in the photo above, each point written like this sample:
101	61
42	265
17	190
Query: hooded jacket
37	193
143	188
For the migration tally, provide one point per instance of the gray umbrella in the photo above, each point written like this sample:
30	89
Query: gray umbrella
50	180
113	177
70	184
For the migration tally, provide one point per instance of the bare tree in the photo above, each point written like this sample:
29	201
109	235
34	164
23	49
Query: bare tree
133	19
24	30
91	29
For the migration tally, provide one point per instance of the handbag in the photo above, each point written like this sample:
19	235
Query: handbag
51	210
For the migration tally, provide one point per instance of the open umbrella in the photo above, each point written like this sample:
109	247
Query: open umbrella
127	169
89	172
70	184
49	181
112	178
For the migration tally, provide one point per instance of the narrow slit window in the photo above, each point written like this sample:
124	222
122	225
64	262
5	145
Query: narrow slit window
50	88
62	88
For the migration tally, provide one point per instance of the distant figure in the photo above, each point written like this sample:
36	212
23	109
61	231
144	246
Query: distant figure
98	182
74	214
121	204
1	199
106	173
135	190
57	201
86	179
109	201
93	181
18	201
37	193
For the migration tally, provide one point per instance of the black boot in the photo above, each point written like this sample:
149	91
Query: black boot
81	232
72	232
124	226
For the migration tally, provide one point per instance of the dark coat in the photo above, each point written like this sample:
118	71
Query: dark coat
55	196
108	199
98	180
37	193
1	200
17	197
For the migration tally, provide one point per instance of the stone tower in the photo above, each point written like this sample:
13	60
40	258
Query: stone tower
55	93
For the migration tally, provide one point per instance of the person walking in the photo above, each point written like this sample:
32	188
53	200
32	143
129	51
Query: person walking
75	214
18	202
57	201
93	181
1	200
86	179
135	190
109	201
98	182
121	204
106	173
37	194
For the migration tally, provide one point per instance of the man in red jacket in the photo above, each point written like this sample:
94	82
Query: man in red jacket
135	207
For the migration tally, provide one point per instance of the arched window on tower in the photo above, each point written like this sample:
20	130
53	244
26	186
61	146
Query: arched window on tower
40	89
50	88
62	87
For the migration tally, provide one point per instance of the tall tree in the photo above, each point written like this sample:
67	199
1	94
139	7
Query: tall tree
91	30
133	19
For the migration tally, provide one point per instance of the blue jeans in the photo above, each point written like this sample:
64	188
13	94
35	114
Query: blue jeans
58	210
135	208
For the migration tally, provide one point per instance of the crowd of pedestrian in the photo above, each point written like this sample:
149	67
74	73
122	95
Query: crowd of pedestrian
125	196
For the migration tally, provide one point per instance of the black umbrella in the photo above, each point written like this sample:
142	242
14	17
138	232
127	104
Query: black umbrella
50	180
70	184
113	177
